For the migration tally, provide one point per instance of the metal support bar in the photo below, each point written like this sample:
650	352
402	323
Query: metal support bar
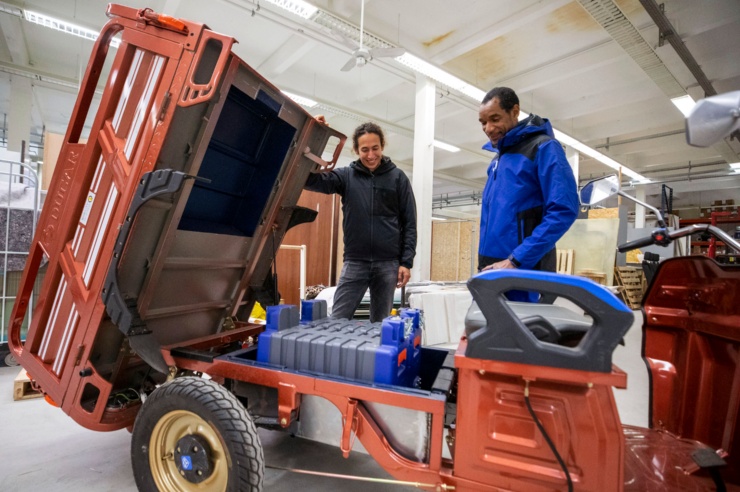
668	32
350	425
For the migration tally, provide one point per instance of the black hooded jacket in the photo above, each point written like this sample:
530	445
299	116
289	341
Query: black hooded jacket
379	211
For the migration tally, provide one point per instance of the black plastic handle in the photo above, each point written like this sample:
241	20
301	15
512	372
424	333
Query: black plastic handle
506	338
637	243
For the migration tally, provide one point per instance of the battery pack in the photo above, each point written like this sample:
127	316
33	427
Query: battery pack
388	352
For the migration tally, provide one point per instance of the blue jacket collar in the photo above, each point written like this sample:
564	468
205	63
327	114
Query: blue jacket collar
531	125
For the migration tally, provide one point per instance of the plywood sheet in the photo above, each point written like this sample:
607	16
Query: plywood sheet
604	213
445	251
468	249
595	244
454	250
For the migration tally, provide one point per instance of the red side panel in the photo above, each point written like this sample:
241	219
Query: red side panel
497	441
88	199
186	266
692	344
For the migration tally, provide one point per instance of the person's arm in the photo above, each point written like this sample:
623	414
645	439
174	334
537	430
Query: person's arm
327	183
500	265
407	216
560	207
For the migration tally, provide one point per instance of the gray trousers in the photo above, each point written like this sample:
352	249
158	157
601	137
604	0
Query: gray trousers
356	277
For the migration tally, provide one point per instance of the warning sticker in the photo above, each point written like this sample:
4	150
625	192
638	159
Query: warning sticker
87	208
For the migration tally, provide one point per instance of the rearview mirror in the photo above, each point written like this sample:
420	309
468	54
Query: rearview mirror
599	189
713	118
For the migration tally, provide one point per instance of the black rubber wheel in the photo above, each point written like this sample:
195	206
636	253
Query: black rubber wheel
9	359
191	434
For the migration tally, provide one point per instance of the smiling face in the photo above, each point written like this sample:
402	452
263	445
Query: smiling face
370	150
495	121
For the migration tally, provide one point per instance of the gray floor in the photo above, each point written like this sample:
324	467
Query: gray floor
45	450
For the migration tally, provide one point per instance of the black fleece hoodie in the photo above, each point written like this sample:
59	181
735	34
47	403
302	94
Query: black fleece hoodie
379	211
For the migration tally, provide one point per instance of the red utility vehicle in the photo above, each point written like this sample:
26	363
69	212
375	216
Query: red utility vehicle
158	235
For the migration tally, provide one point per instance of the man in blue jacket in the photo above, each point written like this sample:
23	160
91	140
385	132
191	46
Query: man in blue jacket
530	199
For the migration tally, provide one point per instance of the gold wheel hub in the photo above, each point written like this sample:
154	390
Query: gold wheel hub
167	473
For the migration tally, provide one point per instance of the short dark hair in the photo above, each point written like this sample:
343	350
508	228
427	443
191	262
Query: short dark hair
365	128
507	98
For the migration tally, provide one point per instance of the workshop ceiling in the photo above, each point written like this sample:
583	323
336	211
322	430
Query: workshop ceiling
605	82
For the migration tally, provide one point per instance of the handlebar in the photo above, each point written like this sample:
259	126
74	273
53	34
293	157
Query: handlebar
664	237
637	243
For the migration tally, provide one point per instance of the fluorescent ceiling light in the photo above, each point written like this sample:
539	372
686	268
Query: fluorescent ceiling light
438	218
444	78
585	149
446	146
65	27
297	7
306	10
684	104
735	166
303	101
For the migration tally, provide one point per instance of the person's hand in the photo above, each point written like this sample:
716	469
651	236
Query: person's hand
321	119
499	265
404	275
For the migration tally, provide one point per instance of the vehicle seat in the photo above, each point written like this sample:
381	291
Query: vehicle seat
547	322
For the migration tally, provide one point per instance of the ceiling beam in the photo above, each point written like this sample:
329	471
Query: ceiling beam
573	64
290	52
11	27
53	81
483	32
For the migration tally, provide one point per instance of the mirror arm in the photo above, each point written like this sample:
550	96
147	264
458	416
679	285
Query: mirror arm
657	213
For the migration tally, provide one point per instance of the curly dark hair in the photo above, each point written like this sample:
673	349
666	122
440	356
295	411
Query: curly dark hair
368	127
507	98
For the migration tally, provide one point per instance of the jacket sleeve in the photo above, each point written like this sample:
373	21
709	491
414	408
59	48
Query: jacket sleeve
407	219
560	204
332	182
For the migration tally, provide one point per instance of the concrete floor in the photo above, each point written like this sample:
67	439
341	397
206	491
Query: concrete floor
46	450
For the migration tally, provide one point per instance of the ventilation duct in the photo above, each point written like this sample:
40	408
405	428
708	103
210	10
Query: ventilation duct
611	18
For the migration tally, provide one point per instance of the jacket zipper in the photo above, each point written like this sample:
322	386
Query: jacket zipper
372	214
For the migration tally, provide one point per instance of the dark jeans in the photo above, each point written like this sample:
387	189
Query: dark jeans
356	277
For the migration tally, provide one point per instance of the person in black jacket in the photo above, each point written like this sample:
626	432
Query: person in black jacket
379	225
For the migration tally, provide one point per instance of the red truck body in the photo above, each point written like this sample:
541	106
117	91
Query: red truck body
159	234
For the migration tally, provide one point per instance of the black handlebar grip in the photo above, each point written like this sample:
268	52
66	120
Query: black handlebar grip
637	243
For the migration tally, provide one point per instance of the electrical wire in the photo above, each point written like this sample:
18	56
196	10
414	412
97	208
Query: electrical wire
547	437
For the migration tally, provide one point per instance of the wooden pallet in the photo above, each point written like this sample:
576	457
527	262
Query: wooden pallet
598	277
22	387
565	261
630	279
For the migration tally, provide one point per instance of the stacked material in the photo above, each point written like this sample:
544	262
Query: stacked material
386	353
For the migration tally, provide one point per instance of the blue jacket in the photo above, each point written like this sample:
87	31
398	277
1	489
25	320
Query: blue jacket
530	199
